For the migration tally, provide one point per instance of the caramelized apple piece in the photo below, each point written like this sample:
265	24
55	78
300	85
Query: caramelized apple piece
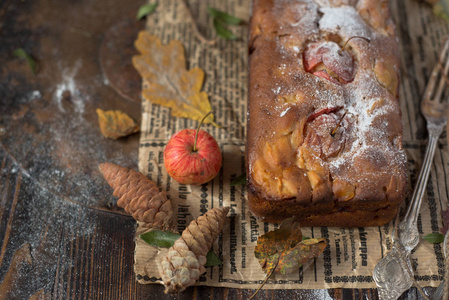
335	61
378	104
260	171
296	184
322	111
387	76
324	74
319	138
300	162
278	152
314	178
374	13
343	190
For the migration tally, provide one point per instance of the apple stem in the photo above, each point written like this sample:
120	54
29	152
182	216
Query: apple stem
338	124
198	129
353	37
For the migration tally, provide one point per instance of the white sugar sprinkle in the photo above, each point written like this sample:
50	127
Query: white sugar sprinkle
345	20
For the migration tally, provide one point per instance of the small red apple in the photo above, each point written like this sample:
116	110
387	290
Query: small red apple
192	156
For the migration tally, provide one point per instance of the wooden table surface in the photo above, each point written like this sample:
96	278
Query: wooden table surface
61	235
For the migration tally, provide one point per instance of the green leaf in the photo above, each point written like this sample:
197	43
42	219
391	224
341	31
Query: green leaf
441	8
434	238
21	53
239	180
160	238
212	259
166	239
224	17
221	19
222	31
145	10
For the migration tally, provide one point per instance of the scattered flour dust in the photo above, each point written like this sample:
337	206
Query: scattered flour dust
68	84
34	95
312	294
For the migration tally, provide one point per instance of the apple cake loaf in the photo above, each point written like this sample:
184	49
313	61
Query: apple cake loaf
324	138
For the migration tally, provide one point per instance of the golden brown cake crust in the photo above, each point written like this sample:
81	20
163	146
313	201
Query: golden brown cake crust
324	122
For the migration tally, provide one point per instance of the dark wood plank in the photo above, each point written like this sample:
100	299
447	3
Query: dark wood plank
61	248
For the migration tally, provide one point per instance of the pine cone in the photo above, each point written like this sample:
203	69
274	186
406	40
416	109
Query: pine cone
139	196
185	261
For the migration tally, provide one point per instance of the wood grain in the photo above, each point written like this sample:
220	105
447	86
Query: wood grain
60	256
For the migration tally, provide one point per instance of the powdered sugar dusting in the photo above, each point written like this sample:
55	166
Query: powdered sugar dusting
345	20
367	138
327	97
308	19
285	111
301	16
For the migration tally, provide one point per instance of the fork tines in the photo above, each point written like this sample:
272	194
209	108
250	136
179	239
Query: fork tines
440	75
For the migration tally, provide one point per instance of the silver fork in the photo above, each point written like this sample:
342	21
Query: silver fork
394	274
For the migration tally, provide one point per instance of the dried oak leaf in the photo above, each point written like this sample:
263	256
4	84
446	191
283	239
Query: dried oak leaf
115	124
285	250
167	81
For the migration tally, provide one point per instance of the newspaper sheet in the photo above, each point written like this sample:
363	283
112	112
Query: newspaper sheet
352	253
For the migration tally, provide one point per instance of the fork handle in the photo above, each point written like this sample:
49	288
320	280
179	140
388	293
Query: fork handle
408	229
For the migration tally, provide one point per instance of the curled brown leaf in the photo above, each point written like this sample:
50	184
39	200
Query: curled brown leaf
285	250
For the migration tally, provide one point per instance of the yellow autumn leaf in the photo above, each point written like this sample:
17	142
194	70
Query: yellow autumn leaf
167	81
115	124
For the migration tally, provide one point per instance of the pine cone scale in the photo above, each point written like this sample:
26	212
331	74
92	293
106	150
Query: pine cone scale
139	196
185	261
197	243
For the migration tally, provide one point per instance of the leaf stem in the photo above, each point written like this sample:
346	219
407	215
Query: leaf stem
198	129
195	27
266	279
